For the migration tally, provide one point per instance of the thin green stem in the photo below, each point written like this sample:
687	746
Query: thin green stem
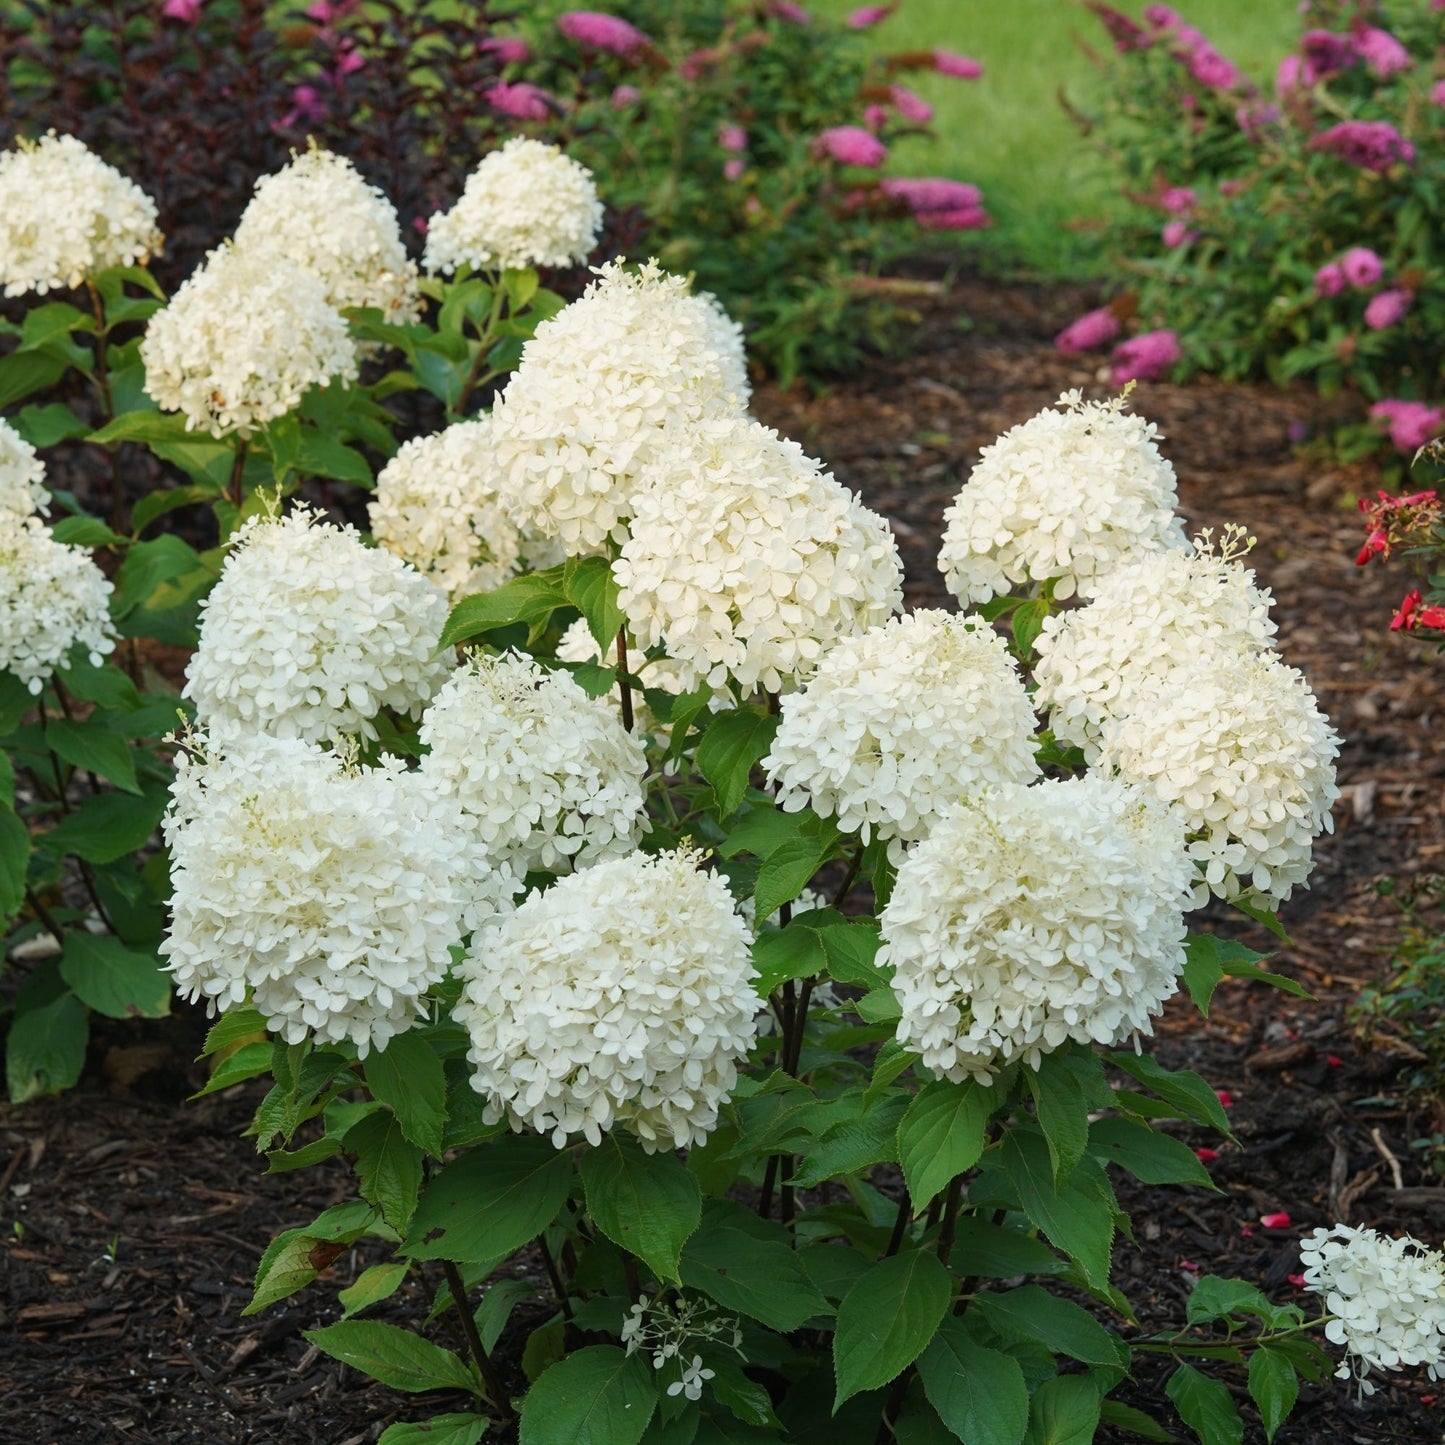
484	347
495	1389
624	680
107	402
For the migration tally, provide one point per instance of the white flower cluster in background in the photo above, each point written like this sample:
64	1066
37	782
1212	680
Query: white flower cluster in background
1387	1297
310	633
1034	915
898	723
1148	615
1065	496
526	204
747	561
22	475
543	777
52	597
1238	747
320	890
621	995
242	341
439	506
597	388
65	216
322	216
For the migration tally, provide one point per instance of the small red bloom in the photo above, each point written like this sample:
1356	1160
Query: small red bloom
1377	544
1189	1266
1206	1156
1334	1061
1226	1099
1297	1280
1404	618
1279	1220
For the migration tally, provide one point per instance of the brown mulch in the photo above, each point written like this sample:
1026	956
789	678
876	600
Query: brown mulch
134	1220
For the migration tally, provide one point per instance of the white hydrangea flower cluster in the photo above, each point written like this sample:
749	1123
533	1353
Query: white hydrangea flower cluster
22	475
598	386
542	776
1147	615
52	597
747	561
321	890
439	505
1239	749
322	216
898	723
242	341
310	634
621	996
1067	495
1387	1297
65	216
1035	915
526	204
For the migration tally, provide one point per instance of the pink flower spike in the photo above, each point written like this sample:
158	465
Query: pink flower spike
851	145
1362	268
1329	279
188	12
1206	1156
1178	200
348	60
420	225
1161	17
1226	1099
867	16
875	117
594	30
624	96
1437	93
519	99
1176	233
509	49
961	67
1388	309
962	218
1210	68
732	137
1373	145
786	10
1280	1220
734	168
910	105
1092	330
1381	52
1145	357
1410	424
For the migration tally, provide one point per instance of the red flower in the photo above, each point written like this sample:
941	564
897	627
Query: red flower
1405	617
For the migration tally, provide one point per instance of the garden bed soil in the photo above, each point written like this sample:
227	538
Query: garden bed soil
134	1219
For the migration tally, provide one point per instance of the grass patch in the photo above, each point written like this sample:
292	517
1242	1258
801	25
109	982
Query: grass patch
1048	191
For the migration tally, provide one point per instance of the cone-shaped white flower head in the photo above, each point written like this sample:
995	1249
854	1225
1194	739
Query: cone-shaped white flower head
526	204
1387	1296
22	476
1238	747
439	505
242	342
310	634
1032	916
621	996
598	386
747	561
1066	495
1147	615
544	777
321	890
65	216
322	216
900	722
52	597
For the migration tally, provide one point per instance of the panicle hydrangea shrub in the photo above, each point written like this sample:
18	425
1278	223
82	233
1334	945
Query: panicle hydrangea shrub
22	475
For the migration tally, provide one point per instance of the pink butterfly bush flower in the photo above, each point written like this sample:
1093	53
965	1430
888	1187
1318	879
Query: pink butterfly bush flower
867	16
938	204
594	30
1091	331
732	138
1362	268
1388	309
1437	93
307	108
1176	233
1324	54
1384	55
625	95
786	10
1178	200
519	99
1330	279
1125	33
910	105
1410	424
1255	116
734	168
876	117
1210	68
851	145
1161	17
961	67
188	12
509	49
1374	145
1144	358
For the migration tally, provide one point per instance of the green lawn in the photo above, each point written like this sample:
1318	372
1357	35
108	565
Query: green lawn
1008	132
